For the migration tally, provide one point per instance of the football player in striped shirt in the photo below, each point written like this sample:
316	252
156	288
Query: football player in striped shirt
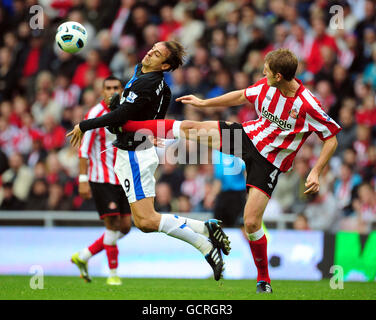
97	178
288	113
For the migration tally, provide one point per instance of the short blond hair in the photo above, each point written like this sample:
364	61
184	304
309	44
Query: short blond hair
282	61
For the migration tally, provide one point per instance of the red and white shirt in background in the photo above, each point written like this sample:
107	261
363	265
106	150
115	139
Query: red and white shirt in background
97	146
285	123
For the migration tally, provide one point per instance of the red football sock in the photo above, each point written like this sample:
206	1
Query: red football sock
159	128
97	246
112	255
260	257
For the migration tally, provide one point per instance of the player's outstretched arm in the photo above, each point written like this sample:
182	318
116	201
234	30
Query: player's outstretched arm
233	98
312	183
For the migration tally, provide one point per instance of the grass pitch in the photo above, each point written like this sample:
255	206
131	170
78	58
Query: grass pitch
74	288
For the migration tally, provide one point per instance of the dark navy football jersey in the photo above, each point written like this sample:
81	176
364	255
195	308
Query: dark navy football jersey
146	96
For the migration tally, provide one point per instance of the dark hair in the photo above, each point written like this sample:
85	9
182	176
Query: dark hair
111	77
282	61
176	56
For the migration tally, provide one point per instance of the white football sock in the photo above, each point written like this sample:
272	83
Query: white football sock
85	254
176	129
113	272
256	235
110	237
176	227
196	225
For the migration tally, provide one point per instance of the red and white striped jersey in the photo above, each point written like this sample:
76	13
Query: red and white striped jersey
284	123
97	146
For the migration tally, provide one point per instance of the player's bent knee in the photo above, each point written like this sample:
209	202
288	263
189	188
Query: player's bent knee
252	224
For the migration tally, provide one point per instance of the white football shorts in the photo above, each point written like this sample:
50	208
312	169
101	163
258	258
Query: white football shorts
135	171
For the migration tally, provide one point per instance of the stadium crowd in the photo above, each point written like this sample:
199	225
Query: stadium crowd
45	91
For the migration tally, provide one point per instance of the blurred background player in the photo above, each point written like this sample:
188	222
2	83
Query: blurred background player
97	178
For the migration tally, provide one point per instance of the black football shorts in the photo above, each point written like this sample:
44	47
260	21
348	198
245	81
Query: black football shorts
110	199
261	174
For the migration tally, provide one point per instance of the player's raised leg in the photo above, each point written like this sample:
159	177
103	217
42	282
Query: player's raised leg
148	220
253	212
206	132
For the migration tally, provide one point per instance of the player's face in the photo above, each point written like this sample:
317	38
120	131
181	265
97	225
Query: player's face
156	57
109	88
272	78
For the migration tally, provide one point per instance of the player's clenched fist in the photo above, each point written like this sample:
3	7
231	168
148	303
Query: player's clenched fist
76	136
312	183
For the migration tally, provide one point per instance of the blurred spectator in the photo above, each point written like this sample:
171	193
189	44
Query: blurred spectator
53	134
363	217
366	112
328	59
92	68
362	143
122	15
178	89
193	185
325	95
321	39
57	199
370	71
19	175
8	78
347	136
365	207
301	223
184	204
190	31
137	21
66	64
344	188
285	190
124	61
169	27
300	201
163	197
8	134
69	160
37	199
45	106
65	93
232	53
10	201
173	175
105	47
299	42
249	22
322	212
3	162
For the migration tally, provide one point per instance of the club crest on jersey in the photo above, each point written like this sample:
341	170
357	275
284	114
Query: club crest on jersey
282	124
131	97
293	113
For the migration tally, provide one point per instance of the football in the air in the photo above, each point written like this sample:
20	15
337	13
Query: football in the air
71	36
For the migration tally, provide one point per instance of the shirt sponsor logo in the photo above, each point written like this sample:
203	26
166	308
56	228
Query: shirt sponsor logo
282	124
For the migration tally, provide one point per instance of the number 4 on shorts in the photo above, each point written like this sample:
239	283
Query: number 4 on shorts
272	178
